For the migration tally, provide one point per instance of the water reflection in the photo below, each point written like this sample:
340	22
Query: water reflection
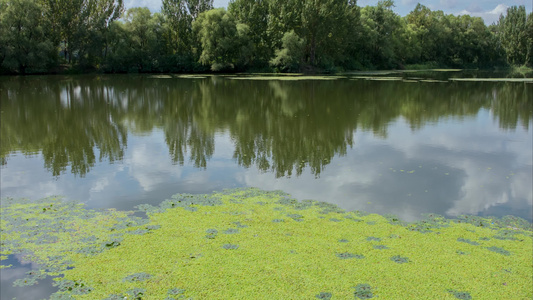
277	126
381	146
19	269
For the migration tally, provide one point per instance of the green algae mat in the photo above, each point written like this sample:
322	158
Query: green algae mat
253	244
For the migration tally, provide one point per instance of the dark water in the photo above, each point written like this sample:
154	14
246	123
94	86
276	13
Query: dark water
381	146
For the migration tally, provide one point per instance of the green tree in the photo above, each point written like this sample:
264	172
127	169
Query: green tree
225	44
529	31
324	29
181	14
291	55
382	31
82	25
26	43
513	35
255	14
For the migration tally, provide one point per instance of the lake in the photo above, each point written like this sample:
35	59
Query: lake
382	146
403	144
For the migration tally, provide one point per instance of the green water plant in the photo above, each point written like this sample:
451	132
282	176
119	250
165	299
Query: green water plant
323	295
112	254
363	291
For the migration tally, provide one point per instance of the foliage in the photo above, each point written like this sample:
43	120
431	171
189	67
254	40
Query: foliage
265	258
225	44
25	42
308	35
290	57
514	33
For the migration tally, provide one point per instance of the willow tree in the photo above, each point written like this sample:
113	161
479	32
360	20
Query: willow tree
181	14
25	41
225	44
82	25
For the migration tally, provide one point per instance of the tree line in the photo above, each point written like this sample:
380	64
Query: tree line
48	36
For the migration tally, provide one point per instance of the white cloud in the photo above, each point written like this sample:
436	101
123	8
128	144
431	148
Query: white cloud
489	17
453	174
150	162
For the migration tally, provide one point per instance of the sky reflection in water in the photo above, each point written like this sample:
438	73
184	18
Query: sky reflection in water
383	147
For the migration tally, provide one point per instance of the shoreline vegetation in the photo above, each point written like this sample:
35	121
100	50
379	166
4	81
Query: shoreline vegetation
250	243
270	36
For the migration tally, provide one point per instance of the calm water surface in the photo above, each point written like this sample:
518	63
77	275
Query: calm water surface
381	146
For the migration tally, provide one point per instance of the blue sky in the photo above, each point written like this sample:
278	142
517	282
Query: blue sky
489	10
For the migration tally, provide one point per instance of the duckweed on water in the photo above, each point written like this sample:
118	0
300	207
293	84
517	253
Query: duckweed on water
498	250
347	255
399	259
380	247
110	254
468	241
461	295
363	291
230	246
137	277
323	295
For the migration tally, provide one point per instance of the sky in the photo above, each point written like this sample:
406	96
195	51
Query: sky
489	10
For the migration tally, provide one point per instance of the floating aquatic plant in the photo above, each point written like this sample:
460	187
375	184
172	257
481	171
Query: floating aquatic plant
399	259
239	225
60	296
73	286
371	223
175	291
139	231
323	295
287	201
295	217
116	297
474	243
112	243
179	242
230	246
380	247
231	231
393	219
499	250
460	295
211	233
136	293
137	277
347	255
27	281
334	220
363	291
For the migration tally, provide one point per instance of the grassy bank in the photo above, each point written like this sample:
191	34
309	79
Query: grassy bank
252	244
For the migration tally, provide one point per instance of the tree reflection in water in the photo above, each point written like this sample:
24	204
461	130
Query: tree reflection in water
277	126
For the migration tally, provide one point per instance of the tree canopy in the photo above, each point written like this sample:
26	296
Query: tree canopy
39	36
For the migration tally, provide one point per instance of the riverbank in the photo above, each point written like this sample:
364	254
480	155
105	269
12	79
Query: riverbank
248	243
